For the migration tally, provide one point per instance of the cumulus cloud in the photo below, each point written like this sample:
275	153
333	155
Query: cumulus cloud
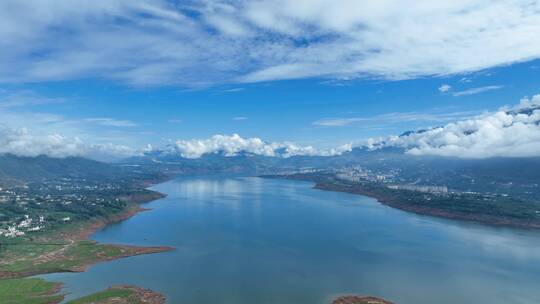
509	132
198	43
231	145
21	142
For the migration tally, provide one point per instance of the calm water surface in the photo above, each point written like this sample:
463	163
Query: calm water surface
253	240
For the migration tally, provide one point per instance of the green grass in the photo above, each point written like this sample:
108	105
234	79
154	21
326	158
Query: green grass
103	295
81	253
39	291
28	291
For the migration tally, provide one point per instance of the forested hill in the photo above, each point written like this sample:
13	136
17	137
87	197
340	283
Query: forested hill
16	170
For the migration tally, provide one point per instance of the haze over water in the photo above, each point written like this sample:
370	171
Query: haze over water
252	240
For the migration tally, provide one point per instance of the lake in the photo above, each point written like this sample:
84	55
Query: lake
266	241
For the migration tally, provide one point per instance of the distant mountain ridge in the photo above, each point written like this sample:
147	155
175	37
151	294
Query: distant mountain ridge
17	169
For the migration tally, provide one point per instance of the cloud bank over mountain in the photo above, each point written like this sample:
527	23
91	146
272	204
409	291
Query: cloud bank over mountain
234	144
21	142
509	132
201	43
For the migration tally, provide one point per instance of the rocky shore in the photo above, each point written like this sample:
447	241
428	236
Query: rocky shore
359	300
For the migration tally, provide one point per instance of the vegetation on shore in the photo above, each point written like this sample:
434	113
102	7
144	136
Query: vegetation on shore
66	248
24	258
39	291
29	291
122	295
498	211
477	207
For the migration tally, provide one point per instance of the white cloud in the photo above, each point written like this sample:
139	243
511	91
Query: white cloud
240	118
235	144
393	118
338	122
477	90
26	98
197	43
21	142
111	122
233	90
509	132
444	88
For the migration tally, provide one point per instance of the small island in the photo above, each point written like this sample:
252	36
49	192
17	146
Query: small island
359	300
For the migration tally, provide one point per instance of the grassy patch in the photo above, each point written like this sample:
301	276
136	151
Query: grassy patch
39	291
26	258
109	294
28	291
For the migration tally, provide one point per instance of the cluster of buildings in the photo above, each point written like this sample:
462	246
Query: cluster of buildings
20	229
31	203
420	188
290	171
357	174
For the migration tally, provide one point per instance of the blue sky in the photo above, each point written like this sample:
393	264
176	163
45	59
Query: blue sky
294	110
317	72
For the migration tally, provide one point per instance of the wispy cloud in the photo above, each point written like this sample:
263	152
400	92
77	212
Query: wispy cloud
233	90
240	118
175	121
26	98
338	122
477	90
111	122
201	43
393	118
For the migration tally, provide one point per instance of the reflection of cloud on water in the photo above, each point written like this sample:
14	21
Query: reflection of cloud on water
246	191
499	241
230	192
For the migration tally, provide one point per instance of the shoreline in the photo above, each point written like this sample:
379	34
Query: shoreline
478	218
356	299
131	250
86	230
129	294
79	235
437	213
60	252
